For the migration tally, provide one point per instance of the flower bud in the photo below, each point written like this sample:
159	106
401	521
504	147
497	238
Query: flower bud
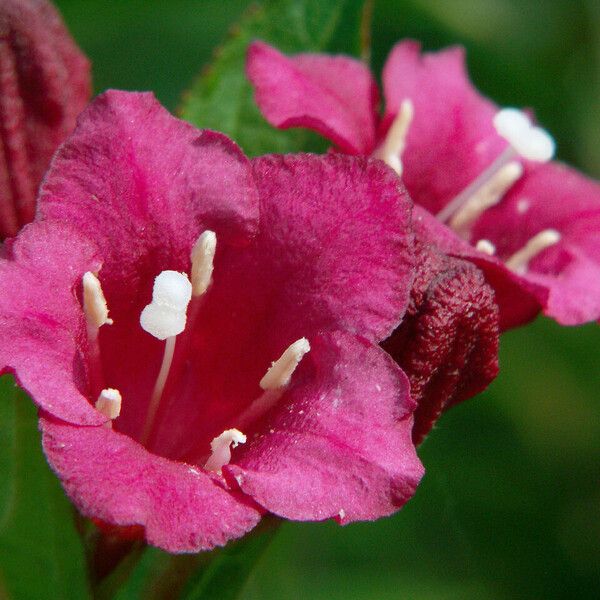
44	84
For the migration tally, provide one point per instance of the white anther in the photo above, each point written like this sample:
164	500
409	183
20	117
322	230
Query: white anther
221	449
486	247
488	195
519	261
109	403
530	141
94	302
203	254
280	372
165	316
395	140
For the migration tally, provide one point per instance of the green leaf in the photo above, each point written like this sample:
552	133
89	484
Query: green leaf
226	573
41	555
222	97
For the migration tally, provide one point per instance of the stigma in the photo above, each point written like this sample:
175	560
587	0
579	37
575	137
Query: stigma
165	316
527	140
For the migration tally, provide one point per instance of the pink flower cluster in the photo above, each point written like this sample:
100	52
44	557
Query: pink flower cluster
211	338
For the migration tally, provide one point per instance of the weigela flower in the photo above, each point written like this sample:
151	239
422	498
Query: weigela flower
44	85
201	331
530	224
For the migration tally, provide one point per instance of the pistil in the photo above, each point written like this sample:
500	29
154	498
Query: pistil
165	318
526	141
96	315
395	141
519	261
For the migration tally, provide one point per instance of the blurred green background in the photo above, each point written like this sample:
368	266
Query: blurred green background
510	504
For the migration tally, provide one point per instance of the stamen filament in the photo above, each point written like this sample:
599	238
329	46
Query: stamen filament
473	188
519	261
159	387
488	195
395	140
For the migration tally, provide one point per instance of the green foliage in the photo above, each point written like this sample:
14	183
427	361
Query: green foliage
222	97
42	556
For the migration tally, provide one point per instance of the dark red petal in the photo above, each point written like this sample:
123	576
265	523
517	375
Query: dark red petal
448	342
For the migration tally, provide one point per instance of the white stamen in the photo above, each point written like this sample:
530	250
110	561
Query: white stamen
277	377
519	261
395	140
221	449
530	141
203	254
94	302
473	188
486	247
109	403
488	195
281	370
165	316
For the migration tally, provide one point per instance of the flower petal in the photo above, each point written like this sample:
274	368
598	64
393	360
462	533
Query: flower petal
144	185
112	478
451	139
333	95
42	327
553	196
339	444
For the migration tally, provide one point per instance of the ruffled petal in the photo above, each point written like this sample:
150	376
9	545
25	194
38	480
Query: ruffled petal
143	185
335	96
112	478
42	327
339	443
553	196
451	139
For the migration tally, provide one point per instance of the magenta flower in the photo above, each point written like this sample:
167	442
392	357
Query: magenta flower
163	277
530	224
44	85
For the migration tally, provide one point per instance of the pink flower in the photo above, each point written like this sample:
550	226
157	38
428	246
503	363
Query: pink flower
150	230
44	85
530	224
